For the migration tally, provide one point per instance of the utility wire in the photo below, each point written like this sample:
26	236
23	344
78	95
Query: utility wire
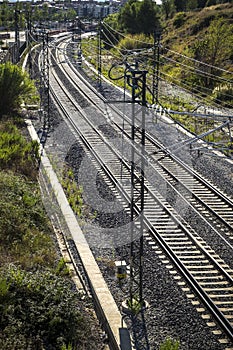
195	91
197	61
193	69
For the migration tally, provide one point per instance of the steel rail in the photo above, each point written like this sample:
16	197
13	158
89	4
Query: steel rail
165	154
203	296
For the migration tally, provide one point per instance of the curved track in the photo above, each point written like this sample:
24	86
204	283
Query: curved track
205	271
215	206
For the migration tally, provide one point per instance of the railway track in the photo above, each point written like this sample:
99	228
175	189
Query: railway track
215	206
206	272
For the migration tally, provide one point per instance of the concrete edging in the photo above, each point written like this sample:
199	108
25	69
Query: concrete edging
107	310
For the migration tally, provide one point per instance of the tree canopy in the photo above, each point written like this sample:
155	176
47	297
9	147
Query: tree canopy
139	17
212	51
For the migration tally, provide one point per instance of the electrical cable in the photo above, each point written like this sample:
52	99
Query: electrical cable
203	73
199	62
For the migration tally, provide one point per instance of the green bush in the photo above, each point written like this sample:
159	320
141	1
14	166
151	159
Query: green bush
135	42
16	88
16	153
40	309
179	19
170	344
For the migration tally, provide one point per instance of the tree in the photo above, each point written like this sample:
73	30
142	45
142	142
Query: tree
202	3
147	17
127	17
15	88
168	7
4	13
180	5
139	17
70	14
214	49
211	52
192	4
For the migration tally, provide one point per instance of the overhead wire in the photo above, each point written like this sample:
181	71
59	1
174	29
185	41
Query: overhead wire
113	45
172	51
201	72
195	88
188	88
197	61
194	91
141	54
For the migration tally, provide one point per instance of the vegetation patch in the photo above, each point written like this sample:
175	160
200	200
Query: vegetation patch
16	88
40	307
16	153
25	233
40	310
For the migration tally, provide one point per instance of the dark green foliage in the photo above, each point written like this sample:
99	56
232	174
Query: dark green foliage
168	7
201	3
15	88
180	5
179	19
127	17
139	17
40	310
5	14
15	152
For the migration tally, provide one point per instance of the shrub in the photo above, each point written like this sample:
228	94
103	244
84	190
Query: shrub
135	42
24	228
16	153
170	344
179	19
40	309
15	88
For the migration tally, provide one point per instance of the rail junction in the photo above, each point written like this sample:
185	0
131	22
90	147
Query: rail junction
184	221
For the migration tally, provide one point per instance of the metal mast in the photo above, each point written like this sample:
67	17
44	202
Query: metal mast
17	42
136	79
99	54
156	59
45	101
77	41
29	39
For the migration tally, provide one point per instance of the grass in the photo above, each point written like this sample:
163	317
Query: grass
25	231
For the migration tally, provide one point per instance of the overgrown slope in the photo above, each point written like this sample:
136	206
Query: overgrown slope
40	308
185	28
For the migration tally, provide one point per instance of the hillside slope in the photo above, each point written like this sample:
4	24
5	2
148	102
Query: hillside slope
185	28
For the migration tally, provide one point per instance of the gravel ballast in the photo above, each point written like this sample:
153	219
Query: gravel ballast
170	312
